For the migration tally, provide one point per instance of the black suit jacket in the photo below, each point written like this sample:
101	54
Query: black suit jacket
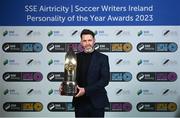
98	77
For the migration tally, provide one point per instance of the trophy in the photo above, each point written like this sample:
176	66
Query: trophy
69	85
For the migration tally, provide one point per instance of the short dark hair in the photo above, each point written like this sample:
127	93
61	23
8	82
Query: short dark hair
87	31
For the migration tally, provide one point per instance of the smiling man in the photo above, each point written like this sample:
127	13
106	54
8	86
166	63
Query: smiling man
92	77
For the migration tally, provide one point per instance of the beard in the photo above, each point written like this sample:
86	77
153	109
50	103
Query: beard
89	49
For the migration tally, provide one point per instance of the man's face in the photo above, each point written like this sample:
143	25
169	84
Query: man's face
87	41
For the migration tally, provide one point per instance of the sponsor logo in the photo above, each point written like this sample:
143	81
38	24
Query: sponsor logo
22	76
156	107
22	47
60	106
157	76
22	106
55	76
120	76
157	47
144	33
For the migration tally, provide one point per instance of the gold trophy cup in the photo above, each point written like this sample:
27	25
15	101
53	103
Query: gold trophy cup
69	85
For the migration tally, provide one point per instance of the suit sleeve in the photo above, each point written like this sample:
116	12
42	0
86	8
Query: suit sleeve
104	78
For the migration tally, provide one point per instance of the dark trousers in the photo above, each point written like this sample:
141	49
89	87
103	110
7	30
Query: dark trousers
88	110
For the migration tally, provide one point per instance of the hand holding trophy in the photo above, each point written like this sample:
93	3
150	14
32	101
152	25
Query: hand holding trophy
69	86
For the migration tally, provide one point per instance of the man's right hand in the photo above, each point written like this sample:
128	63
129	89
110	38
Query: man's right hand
81	91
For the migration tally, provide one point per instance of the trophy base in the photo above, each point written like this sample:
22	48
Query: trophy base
69	88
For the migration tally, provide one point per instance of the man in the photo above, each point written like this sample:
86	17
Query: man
92	77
